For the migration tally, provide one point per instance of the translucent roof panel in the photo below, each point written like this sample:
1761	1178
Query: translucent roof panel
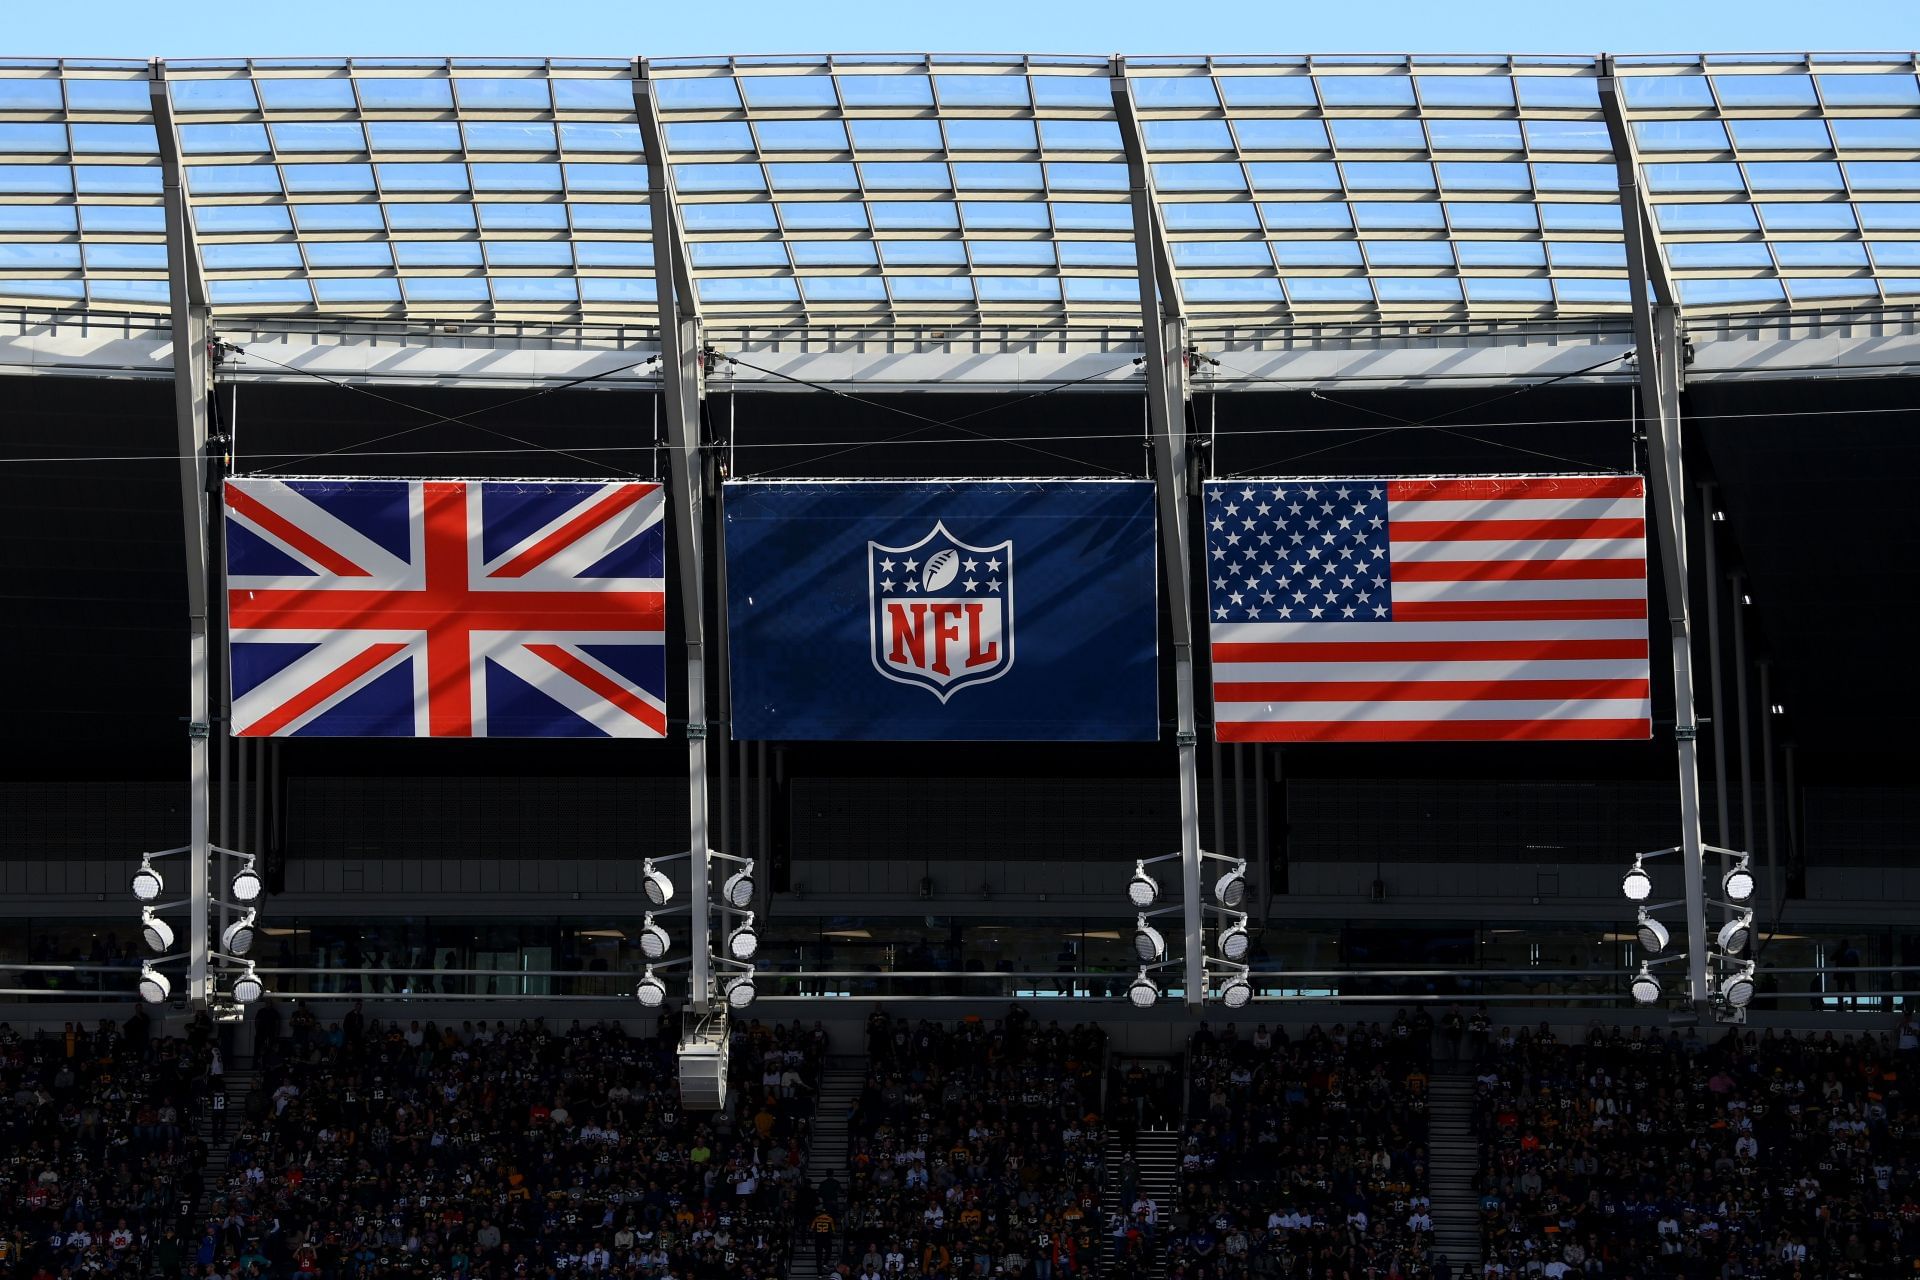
959	188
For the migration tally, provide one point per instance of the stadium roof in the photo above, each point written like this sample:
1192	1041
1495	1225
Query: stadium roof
946	189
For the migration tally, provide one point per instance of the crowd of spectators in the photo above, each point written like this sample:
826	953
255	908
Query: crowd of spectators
1640	1154
977	1150
100	1157
1304	1157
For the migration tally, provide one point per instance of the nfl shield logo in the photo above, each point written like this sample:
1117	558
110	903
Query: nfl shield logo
940	612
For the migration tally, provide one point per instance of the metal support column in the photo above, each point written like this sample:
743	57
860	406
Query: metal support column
1164	335
1659	356
1745	707
1772	881
683	380
1711	580
192	378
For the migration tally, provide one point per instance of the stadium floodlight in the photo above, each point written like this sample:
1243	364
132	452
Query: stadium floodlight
1653	935
147	884
1737	884
1236	991
1234	940
1143	992
157	933
1637	884
1646	987
738	890
237	938
154	985
743	941
1737	987
1148	943
1736	933
653	939
740	991
1143	891
246	883
651	992
247	988
1231	888
659	888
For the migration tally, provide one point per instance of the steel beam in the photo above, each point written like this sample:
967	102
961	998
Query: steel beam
1711	580
1164	332
1659	358
683	379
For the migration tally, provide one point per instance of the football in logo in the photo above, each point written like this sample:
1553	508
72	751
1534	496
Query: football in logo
941	569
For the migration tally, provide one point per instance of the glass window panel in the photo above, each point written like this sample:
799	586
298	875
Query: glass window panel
822	215
1210	217
502	93
301	94
593	95
1839	288
114	139
1714	255
517	216
277	291
1378	135
992	135
345	136
1304	214
737	253
56	257
109	95
802	135
1502	289
1209	176
1884	175
1662	92
437	253
1694	177
1796	175
1268	91
1328	289
1560	176
1409	253
581	136
1003	215
17	139
844	289
896	135
1474	135
1294	175
1081	135
1476	215
147	291
515	289
788	91
1010	253
1880	135
445	289
1077	215
617	289
931	288
1416	289
1501	253
1232	289
1095	253
528	253
361	290
748	289
981	91
832	253
1071	91
906	176
240	219
830	176
333	253
1586	254
719	177
1559	216
1469	175
1568	135
885	91
611	217
923	253
1575	289
1680	135
1406	175
697	93
1902	216
1186	135
1705	217
1893	89
423	177
509	135
1173	91
36	217
1102	289
1365	91
607	177
710	135
728	217
1466	91
1282	135
232	179
1896	253
1316	253
74	289
1018	288
996	176
29	95
1781	135
412	135
1222	253
1789	253
1069	176
1398	215
614	253
365	217
384	94
1765	91
328	177
419	217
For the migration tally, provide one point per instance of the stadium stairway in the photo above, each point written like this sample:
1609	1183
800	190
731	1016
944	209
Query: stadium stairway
1453	1163
841	1080
1156	1158
239	1084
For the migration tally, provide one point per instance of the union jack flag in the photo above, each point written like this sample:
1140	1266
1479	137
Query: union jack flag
445	608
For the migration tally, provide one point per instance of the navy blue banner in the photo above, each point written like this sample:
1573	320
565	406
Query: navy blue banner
946	610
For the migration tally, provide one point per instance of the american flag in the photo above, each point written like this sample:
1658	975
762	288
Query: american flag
445	608
1492	608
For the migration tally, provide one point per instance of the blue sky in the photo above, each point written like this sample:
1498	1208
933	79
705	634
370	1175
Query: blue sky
143	28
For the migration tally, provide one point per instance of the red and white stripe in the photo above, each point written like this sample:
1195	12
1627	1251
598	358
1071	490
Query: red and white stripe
1519	614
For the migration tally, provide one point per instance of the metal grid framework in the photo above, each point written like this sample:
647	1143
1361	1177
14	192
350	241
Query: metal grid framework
947	189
